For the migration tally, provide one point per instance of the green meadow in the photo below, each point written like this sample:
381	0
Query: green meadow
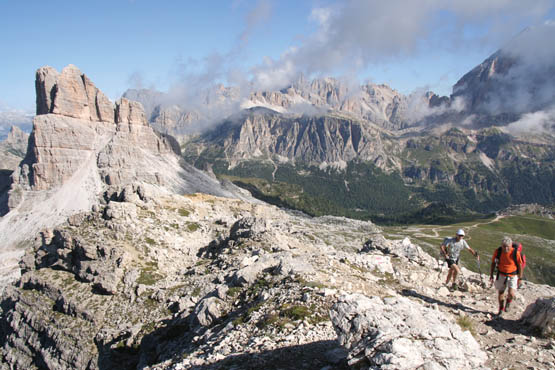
537	235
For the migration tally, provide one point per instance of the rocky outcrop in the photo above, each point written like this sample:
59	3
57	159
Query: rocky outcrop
82	147
541	314
72	94
403	249
64	137
397	333
15	144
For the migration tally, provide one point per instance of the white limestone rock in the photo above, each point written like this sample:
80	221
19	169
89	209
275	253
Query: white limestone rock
397	333
541	314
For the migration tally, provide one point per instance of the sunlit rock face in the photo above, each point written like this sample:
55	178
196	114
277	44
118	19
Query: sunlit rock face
76	123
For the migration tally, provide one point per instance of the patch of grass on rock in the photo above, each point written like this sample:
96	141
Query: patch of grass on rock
466	324
192	227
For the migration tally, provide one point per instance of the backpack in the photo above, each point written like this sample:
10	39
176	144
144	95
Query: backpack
517	247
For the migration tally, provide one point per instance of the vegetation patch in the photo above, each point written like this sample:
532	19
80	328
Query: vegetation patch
196	292
192	226
148	275
296	312
233	291
466	324
184	212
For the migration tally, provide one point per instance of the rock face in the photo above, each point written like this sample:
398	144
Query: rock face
71	93
75	122
259	134
396	333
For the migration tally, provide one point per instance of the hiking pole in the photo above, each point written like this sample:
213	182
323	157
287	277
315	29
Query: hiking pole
480	271
440	268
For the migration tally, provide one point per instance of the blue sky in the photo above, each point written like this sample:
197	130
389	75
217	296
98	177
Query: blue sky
418	44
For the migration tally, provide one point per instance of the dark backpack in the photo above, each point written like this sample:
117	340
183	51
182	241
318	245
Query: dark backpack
517	247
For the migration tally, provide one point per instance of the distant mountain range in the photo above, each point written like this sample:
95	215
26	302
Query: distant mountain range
329	146
326	146
17	118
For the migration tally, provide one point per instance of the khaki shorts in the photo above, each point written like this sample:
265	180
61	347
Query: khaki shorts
503	281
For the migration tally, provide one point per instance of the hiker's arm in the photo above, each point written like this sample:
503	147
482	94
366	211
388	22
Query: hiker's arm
474	253
491	270
443	251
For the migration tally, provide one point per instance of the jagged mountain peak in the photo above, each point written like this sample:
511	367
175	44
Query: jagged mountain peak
518	78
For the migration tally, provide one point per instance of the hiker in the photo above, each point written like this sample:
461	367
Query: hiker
508	261
451	250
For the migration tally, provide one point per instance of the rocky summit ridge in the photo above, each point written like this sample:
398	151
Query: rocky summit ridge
84	149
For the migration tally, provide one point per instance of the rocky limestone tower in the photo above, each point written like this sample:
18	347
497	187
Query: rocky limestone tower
81	146
77	124
82	150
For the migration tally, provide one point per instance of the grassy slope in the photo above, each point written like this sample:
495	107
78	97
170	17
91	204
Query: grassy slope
536	234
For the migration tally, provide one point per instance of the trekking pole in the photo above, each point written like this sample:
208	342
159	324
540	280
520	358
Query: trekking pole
440	269
480	271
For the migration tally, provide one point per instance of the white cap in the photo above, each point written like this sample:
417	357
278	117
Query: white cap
460	232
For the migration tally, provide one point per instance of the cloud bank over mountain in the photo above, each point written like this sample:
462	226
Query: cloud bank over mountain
355	35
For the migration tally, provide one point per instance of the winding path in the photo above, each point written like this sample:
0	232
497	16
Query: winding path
418	231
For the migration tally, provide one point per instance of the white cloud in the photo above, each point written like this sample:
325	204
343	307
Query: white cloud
536	122
352	35
357	33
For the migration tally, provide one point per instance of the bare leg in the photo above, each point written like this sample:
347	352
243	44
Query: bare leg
501	299
456	271
449	274
511	294
510	297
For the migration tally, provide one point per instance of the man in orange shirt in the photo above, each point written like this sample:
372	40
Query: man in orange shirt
508	262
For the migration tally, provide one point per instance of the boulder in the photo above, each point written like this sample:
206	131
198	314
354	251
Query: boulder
248	274
399	248
541	314
248	228
397	333
207	311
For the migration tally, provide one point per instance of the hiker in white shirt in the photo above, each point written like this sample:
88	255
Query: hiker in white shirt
451	249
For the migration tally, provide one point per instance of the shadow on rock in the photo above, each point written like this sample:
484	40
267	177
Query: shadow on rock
316	355
500	324
455	306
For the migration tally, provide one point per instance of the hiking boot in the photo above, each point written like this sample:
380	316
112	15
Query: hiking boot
454	286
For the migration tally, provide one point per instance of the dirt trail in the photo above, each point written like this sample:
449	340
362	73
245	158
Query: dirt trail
418	231
509	343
